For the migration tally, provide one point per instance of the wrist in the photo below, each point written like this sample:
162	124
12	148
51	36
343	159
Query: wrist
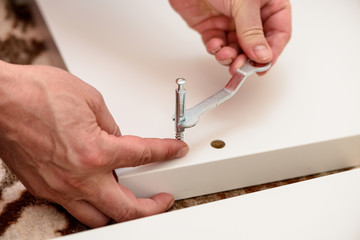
5	81
2	63
3	71
3	77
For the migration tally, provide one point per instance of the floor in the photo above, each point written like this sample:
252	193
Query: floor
24	39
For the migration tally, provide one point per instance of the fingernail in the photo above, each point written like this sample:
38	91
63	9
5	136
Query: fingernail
226	62
263	53
170	204
215	50
182	152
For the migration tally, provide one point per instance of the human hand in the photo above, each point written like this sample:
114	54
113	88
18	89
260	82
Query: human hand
58	137
234	29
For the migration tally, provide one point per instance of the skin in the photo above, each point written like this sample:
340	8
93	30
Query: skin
235	29
58	137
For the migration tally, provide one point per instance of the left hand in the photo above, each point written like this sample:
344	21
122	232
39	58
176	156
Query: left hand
58	137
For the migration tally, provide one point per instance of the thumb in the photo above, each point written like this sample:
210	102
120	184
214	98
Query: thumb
131	151
249	30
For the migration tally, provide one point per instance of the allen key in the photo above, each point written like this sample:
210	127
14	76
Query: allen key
186	118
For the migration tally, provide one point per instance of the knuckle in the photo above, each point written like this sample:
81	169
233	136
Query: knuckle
91	157
75	183
129	214
145	157
97	99
116	131
252	32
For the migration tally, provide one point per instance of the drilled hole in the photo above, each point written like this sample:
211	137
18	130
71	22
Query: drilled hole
217	144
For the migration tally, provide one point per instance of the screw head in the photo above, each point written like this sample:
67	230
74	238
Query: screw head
180	81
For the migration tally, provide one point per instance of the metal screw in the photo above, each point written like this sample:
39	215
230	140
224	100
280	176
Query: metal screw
180	108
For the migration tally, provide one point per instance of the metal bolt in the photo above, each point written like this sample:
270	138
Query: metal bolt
180	108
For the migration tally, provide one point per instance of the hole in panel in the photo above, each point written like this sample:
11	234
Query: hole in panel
218	144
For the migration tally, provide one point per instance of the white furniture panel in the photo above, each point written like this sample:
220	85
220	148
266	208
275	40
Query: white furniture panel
301	118
325	208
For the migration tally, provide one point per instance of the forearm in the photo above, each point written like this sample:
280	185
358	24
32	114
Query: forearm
16	110
4	84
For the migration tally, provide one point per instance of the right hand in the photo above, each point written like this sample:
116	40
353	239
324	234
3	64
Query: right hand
233	30
58	137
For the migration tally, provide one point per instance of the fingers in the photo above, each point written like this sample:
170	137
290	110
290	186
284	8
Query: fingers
86	213
118	203
107	199
227	54
131	151
214	40
217	38
147	206
237	63
250	31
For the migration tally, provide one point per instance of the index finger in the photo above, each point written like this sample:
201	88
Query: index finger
131	151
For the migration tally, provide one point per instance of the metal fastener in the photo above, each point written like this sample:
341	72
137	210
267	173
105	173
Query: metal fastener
180	93
186	118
